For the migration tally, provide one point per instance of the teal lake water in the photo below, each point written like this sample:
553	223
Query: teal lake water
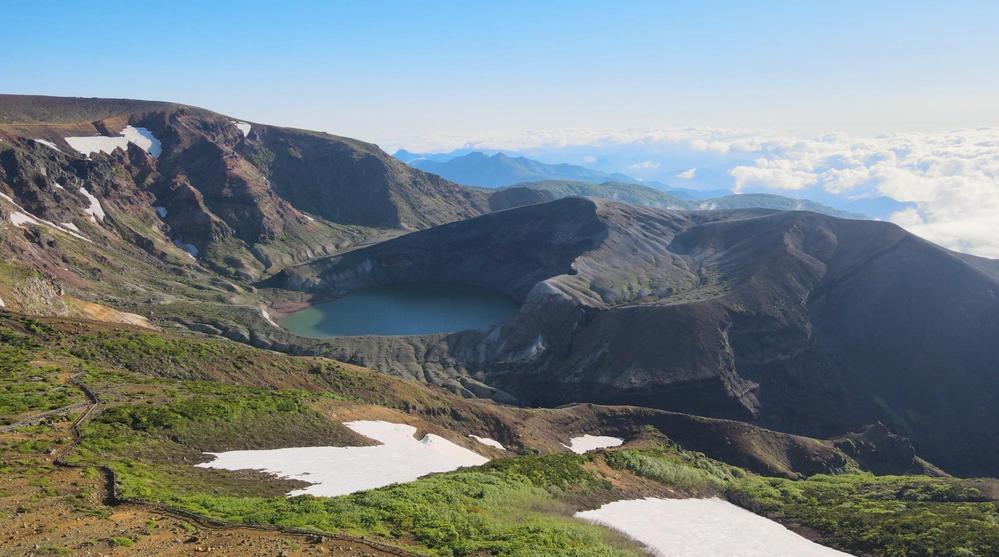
408	309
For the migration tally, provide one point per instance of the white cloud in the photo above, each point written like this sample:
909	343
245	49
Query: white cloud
952	177
687	174
589	159
782	174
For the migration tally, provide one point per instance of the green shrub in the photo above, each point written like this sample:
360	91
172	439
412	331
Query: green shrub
121	541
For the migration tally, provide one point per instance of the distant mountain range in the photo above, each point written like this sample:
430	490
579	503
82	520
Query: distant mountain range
637	194
499	170
788	319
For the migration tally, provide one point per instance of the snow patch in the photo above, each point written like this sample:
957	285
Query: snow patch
587	443
191	249
142	137
267	318
489	442
18	218
703	528
333	471
58	186
243	127
95	211
48	144
21	217
69	226
2	305
161	211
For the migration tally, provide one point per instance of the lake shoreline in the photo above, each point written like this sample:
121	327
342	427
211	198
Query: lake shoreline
396	310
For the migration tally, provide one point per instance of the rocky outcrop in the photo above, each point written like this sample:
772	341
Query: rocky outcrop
39	296
877	449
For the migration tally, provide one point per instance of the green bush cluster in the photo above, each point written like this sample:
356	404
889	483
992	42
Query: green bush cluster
200	409
141	351
25	387
152	430
684	470
500	509
881	515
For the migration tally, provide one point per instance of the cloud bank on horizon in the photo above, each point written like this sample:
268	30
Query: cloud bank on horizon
949	179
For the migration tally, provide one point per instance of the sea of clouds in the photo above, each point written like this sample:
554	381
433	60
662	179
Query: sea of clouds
950	180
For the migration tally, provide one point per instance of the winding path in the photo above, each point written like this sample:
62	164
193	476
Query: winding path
114	498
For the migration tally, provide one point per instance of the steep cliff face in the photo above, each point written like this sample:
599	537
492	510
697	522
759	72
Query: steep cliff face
795	320
244	199
510	251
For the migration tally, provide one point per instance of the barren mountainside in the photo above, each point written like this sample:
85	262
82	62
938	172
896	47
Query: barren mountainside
795	320
791	320
248	202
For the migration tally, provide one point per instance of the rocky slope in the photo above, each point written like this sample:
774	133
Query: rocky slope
795	320
245	199
169	211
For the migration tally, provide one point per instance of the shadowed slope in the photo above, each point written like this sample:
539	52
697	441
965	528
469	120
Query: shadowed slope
796	320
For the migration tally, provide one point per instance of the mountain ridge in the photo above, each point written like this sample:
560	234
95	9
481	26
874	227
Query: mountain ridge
768	313
246	202
638	194
500	170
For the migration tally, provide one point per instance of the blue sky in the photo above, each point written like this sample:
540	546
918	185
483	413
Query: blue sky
841	99
388	70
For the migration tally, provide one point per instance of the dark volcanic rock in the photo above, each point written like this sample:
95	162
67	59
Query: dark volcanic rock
877	449
794	320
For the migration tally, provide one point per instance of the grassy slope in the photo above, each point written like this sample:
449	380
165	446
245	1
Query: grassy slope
157	420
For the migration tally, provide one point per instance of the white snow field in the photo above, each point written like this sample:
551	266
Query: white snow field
400	457
142	137
94	211
243	127
703	528
489	442
587	443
